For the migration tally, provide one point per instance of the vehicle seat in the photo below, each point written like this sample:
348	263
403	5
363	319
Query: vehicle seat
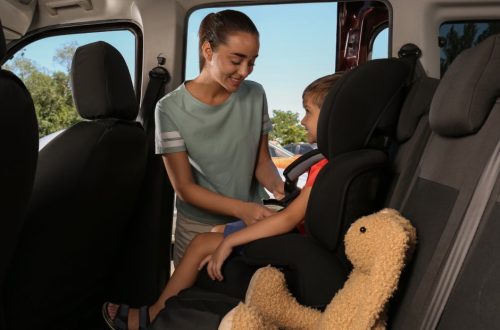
19	135
412	134
86	188
465	120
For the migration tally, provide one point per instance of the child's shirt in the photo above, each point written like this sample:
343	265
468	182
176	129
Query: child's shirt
311	177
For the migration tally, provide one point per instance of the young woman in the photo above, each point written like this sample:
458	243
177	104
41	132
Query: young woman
213	133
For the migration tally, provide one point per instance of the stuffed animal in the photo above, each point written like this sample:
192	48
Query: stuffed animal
377	245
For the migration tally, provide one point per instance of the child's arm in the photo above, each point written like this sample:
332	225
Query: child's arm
279	223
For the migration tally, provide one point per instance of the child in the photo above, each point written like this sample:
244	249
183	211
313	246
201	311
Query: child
213	248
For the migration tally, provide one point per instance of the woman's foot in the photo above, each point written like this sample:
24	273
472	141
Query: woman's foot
122	317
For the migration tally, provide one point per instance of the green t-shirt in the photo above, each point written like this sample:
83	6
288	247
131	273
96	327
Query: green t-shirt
221	142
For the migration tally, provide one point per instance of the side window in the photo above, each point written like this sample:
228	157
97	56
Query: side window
44	66
298	44
380	45
454	37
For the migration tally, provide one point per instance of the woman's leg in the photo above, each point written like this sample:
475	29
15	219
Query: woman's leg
185	230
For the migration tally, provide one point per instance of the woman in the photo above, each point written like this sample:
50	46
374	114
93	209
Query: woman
212	133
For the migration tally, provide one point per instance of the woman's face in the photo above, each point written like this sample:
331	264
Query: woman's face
233	61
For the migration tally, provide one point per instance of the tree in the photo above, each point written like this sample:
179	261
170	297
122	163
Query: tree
287	128
64	55
51	92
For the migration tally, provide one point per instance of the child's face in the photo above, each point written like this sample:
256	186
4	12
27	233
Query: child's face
233	61
310	120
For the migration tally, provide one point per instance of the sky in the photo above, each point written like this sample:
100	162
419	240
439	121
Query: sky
292	51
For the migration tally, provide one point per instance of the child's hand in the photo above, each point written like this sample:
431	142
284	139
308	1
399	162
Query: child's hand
215	261
253	212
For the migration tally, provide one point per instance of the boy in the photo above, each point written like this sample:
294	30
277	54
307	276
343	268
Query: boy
213	248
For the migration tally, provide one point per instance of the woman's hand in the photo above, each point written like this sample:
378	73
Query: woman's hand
215	261
250	213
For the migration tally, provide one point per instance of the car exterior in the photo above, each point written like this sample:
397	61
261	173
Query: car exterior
280	156
300	148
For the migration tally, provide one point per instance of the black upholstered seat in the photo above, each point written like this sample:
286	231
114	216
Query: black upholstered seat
353	131
19	136
86	188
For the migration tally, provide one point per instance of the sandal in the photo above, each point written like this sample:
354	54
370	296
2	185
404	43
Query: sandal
120	322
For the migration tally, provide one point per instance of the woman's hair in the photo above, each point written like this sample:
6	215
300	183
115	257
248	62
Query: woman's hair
216	27
317	90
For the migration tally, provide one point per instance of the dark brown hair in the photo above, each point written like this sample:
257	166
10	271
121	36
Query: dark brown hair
317	90
216	27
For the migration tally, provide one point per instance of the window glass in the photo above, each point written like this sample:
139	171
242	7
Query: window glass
297	46
44	67
454	37
380	47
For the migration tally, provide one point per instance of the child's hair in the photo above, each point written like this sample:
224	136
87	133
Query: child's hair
216	27
317	90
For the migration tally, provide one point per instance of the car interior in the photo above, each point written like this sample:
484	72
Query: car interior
89	218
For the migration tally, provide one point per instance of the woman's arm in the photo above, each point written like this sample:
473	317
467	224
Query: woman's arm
181	177
279	223
266	172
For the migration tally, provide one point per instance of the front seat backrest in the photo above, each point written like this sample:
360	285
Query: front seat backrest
19	136
85	191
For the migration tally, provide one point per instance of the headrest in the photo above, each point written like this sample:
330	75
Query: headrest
102	87
417	104
3	44
363	103
467	91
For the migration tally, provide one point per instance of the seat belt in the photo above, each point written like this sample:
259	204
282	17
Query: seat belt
158	78
463	241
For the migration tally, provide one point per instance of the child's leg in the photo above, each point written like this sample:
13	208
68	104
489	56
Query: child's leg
186	272
184	276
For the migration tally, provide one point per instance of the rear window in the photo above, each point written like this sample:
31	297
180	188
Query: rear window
454	37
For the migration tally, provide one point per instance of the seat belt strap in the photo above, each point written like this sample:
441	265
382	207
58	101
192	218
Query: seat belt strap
158	78
463	241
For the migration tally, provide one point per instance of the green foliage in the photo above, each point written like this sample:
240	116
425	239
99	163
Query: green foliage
287	128
51	91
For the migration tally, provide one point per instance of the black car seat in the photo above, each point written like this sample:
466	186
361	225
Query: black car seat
353	133
19	135
86	188
447	198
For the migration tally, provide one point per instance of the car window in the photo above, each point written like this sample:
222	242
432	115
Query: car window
380	45
44	67
454	37
292	52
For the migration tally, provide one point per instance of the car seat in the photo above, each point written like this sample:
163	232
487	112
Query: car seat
86	187
19	135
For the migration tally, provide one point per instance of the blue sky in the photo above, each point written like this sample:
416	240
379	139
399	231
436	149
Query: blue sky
43	50
294	49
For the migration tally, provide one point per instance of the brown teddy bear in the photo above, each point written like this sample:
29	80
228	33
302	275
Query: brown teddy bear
377	245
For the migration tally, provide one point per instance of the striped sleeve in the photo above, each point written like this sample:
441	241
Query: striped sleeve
267	125
167	135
